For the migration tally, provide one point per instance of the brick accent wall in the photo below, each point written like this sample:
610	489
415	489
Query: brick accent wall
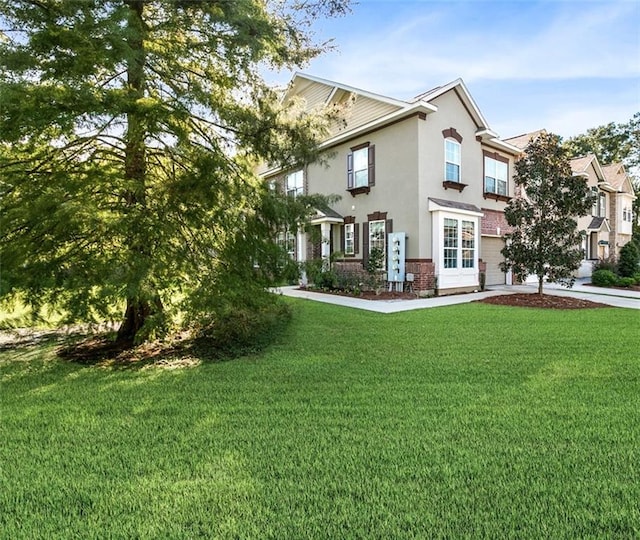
491	221
423	271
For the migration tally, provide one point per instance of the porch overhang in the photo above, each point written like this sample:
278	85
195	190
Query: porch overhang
599	224
326	215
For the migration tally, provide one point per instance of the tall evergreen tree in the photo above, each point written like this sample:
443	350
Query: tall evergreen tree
545	240
129	133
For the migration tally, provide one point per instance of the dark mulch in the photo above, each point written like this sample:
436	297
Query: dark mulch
547	301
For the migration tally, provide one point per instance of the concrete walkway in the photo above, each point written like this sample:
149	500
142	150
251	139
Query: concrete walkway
612	297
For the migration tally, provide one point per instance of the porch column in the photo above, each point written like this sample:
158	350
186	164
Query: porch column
325	249
301	255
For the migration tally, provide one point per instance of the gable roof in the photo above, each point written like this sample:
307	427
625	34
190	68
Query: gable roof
521	141
616	175
377	110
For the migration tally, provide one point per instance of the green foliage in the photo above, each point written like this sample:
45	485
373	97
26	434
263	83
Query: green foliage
129	136
233	329
375	261
609	263
545	240
611	143
356	426
636	278
604	278
626	282
629	260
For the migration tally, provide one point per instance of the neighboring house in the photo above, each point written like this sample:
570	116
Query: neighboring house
597	223
608	225
620	206
424	180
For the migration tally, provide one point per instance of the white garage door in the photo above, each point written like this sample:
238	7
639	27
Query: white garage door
491	255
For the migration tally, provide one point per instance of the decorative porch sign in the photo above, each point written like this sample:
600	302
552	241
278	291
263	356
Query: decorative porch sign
396	257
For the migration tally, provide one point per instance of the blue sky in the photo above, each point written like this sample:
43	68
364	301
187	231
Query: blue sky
560	65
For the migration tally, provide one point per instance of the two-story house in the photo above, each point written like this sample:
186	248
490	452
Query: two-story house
597	224
425	180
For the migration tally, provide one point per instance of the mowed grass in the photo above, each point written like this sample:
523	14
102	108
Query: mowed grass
471	421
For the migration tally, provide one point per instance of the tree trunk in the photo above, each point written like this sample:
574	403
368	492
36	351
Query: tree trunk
138	310
136	314
540	283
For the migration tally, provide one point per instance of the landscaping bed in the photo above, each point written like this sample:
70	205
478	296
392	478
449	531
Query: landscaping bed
547	301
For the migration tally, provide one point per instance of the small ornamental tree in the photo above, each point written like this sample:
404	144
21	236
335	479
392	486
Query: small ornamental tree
545	239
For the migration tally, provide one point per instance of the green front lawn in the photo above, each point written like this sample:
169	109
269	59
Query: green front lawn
467	421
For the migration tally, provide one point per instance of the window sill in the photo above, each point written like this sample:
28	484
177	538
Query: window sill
359	190
496	196
453	185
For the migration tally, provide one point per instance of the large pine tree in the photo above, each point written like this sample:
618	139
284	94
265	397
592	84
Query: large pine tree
545	240
129	132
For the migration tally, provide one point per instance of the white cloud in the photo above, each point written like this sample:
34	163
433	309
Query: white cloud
554	41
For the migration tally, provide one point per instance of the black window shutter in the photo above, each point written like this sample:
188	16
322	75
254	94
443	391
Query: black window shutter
356	238
342	238
389	226
365	244
372	165
350	170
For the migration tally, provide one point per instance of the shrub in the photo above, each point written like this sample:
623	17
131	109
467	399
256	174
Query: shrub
604	278
241	329
629	259
349	280
626	282
636	277
609	263
326	280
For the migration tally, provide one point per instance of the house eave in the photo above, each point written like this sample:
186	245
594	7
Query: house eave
413	110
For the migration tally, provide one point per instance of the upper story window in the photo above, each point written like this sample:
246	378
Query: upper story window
602	207
295	183
496	174
361	168
452	160
594	196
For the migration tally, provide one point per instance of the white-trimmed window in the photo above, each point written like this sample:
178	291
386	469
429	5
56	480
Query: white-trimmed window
459	242
361	167
287	241
496	175
594	196
450	243
602	209
468	237
295	183
377	237
349	239
452	160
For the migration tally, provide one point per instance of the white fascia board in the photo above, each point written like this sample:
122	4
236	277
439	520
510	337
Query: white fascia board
416	108
467	97
324	219
365	93
506	147
606	186
435	207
